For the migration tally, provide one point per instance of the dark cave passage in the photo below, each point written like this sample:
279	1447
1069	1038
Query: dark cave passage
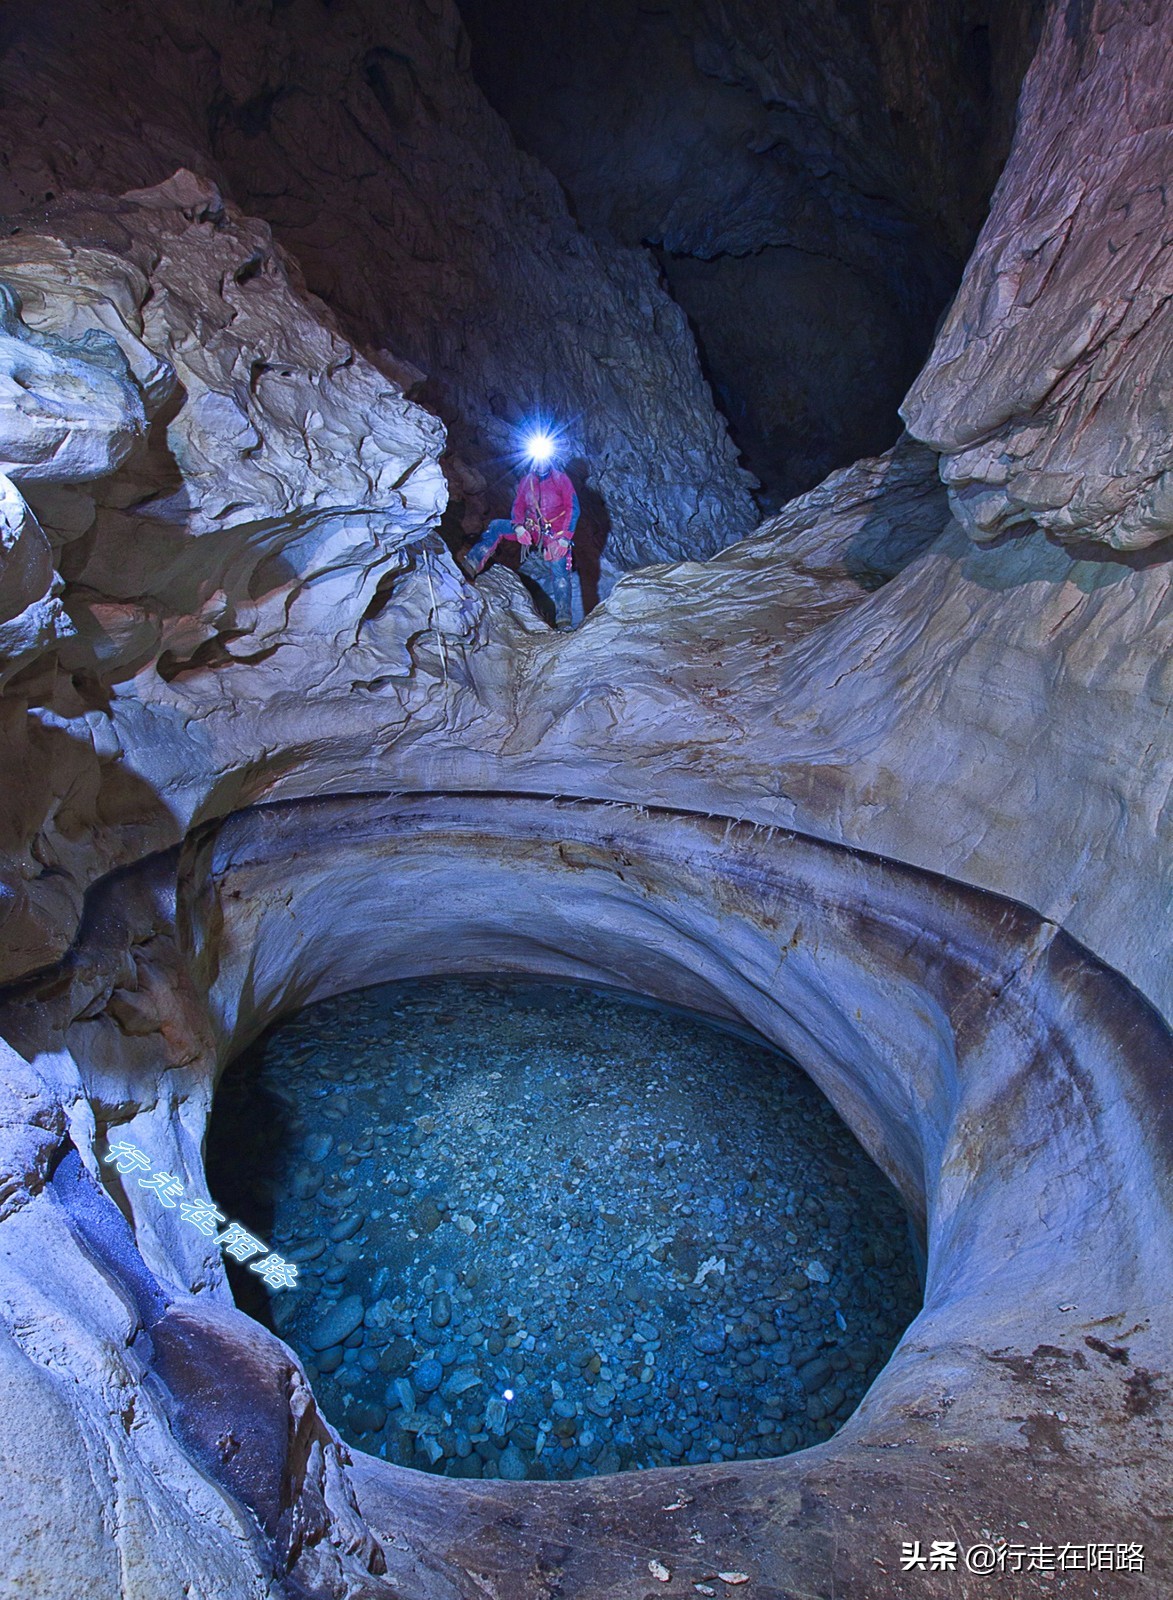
811	179
546	1231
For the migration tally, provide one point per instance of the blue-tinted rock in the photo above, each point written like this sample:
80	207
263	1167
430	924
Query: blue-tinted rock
338	1323
400	1393
366	1417
461	1381
709	1342
429	1375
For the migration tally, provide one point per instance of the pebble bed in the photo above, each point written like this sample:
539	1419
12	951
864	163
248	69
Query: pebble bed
546	1232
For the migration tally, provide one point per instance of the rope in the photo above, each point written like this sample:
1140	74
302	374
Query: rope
436	618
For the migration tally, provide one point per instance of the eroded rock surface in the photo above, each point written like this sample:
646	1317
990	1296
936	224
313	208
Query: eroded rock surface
244	481
1048	390
359	135
1011	1027
812	176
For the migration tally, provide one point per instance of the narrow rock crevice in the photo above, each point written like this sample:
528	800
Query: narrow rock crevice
811	220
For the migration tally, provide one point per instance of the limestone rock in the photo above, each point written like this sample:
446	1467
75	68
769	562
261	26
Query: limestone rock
813	249
450	256
338	1323
32	618
262	513
1048	392
68	413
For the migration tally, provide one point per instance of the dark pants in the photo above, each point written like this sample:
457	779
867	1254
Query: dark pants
553	578
480	554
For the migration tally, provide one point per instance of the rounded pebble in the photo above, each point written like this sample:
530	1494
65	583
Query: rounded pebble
429	1375
338	1323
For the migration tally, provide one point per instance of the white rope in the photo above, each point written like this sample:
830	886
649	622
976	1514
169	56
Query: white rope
436	618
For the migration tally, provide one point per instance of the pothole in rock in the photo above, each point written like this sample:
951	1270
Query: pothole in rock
547	1232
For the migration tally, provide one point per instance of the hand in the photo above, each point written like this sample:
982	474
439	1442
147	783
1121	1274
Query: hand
524	536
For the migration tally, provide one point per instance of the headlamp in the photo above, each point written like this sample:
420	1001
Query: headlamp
540	448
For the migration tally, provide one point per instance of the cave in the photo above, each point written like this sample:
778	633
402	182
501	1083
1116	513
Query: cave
812	225
618	1044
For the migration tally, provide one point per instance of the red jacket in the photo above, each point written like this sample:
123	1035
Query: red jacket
550	500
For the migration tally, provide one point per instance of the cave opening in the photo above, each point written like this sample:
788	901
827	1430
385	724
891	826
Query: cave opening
809	179
549	1230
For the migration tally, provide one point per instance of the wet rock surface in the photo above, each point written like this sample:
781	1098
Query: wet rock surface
544	1232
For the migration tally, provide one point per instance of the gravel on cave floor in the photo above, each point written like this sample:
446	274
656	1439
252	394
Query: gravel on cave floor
546	1231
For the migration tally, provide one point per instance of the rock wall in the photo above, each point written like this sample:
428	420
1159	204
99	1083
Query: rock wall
811	175
358	134
200	471
1048	392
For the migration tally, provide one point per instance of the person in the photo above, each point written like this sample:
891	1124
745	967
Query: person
543	520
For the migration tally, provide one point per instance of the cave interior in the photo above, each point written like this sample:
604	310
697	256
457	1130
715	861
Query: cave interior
640	1066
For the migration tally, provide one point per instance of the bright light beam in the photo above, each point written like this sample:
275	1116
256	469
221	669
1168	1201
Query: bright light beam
540	447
